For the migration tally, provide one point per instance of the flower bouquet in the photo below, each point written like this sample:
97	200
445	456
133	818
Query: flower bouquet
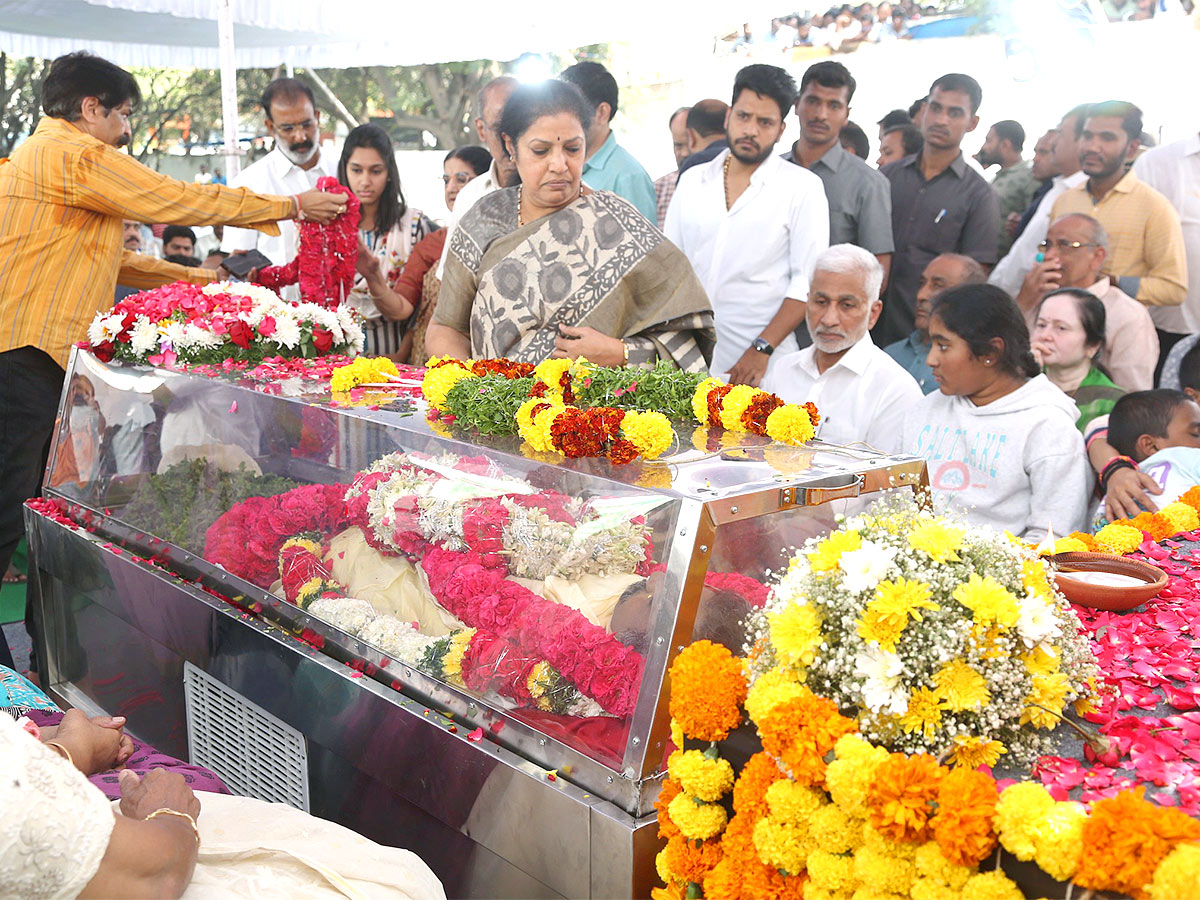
188	323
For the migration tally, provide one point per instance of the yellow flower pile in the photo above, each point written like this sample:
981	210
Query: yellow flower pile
650	432
705	777
363	370
1119	539
443	373
788	423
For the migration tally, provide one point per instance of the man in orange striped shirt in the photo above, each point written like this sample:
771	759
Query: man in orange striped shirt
63	197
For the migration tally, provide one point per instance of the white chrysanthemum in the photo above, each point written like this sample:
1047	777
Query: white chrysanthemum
1037	622
144	338
883	688
172	333
194	337
105	327
866	567
287	332
327	319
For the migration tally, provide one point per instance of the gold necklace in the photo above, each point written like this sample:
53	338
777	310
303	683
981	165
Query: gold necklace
728	159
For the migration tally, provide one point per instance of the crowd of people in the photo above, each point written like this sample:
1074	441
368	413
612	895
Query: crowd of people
1033	337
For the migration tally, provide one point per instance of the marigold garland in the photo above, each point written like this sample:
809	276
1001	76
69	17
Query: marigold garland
707	689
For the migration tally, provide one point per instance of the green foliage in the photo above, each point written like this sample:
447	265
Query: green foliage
182	503
20	98
663	389
489	404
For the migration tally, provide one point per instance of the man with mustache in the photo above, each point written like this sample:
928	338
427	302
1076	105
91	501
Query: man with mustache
863	393
64	196
752	225
293	166
939	203
1146	258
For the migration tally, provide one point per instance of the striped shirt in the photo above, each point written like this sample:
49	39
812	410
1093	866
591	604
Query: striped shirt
63	197
1145	240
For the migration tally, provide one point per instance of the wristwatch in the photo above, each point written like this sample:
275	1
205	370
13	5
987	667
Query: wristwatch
762	346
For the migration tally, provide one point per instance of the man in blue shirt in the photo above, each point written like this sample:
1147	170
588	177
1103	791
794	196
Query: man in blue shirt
609	167
942	273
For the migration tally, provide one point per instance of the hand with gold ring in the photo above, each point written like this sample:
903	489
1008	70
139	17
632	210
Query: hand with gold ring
321	206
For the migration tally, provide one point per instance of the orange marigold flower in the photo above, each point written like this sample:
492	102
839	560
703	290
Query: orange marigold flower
966	812
799	732
761	881
707	690
692	860
715	396
901	798
750	790
666	826
754	417
813	413
672	891
1192	498
1088	540
1124	840
1154	524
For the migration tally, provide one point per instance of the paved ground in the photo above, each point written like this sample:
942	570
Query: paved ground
18	643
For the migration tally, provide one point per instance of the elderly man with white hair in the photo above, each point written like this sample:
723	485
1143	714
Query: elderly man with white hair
863	393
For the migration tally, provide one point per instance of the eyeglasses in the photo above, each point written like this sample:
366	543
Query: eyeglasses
1065	245
460	177
288	130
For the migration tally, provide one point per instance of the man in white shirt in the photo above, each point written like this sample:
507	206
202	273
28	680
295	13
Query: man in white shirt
291	168
489	107
1010	272
863	394
1174	171
752	225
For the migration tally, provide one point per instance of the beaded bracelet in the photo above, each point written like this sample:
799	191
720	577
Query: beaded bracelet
167	811
1115	465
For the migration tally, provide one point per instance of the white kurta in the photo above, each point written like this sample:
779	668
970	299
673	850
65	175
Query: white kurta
753	256
276	174
864	396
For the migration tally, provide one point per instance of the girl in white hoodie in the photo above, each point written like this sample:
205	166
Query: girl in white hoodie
999	437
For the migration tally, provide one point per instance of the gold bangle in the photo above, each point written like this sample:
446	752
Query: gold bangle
167	811
625	348
63	750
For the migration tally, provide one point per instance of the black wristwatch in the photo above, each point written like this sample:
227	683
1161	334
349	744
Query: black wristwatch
762	346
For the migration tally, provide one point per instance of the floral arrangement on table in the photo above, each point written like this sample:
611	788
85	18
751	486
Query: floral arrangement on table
581	410
943	639
822	812
469	527
475	658
324	265
187	323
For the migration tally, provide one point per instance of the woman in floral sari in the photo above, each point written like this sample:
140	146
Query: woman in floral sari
550	268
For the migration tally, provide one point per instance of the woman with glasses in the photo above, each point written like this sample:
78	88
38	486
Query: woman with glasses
419	282
1068	340
387	232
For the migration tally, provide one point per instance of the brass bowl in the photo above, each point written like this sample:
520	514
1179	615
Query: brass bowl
1114	598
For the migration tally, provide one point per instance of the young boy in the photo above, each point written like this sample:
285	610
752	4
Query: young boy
1160	430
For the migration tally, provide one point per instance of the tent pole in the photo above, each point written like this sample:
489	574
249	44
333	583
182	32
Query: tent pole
229	106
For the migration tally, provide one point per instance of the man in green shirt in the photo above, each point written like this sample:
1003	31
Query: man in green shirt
1014	184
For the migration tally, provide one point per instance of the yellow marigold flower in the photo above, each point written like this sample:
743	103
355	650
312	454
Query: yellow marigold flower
924	713
940	540
791	802
700	400
961	687
537	428
661	866
1041	660
1119	539
989	601
876	840
650	432
796	633
1018	816
973	752
790	424
437	383
886	616
696	819
701	776
1058	841
930	889
783	846
828	553
1048	697
308	544
772	688
539	678
881	872
854	746
677	737
452	661
1069	545
831	871
835	830
551	372
994	885
851	774
931	863
309	591
1177	875
1181	516
734	404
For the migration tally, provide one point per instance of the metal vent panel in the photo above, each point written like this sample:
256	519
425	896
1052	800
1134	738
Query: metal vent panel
256	754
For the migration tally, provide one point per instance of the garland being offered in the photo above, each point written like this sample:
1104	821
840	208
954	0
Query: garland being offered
468	657
579	410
